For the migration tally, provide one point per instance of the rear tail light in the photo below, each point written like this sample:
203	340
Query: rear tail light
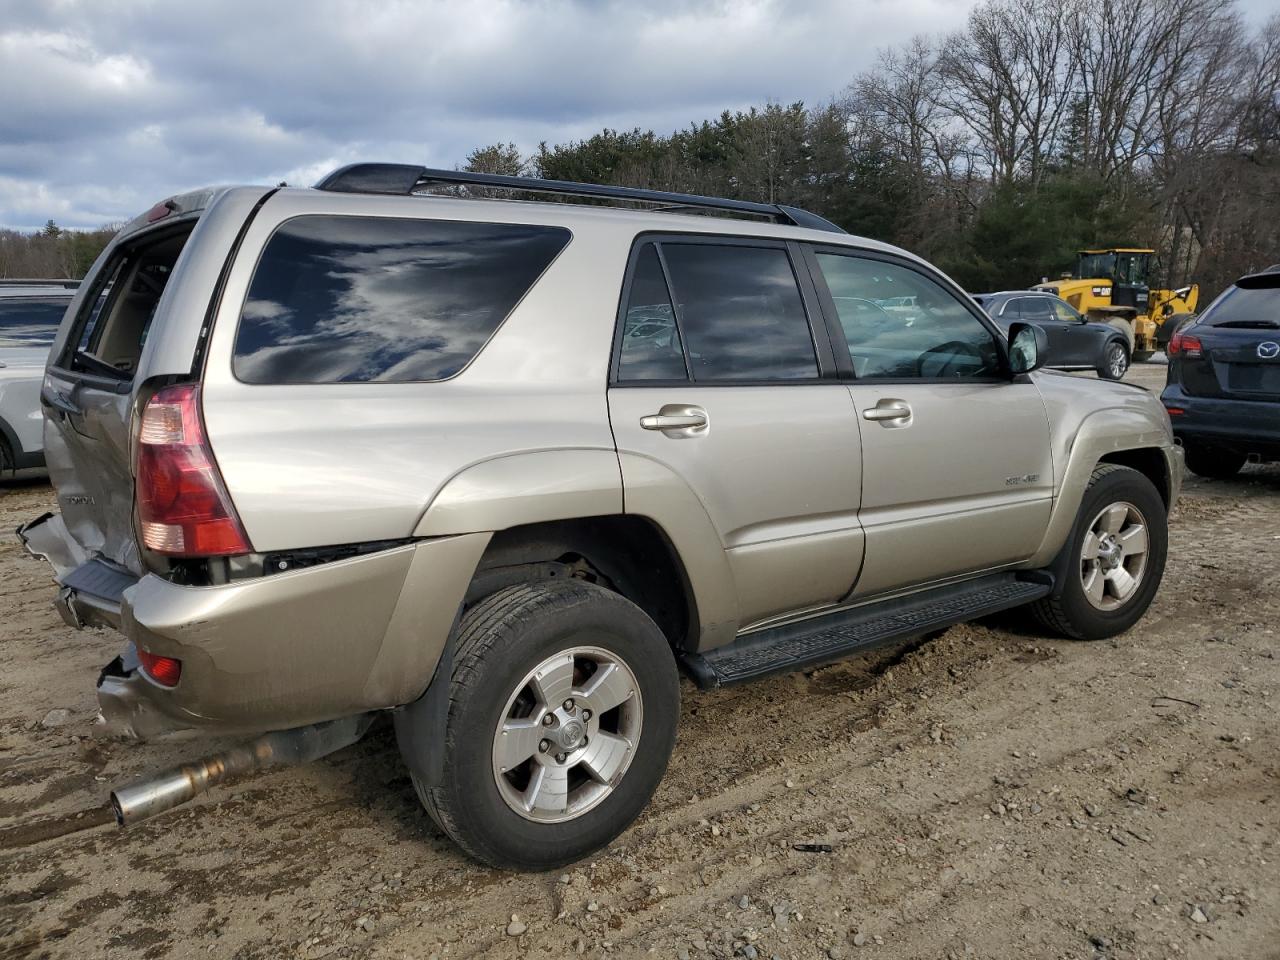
1175	411
1185	345
183	508
165	671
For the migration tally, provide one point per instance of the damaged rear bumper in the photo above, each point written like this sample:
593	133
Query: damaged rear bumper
265	653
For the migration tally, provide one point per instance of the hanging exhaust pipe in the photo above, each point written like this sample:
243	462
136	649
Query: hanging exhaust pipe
146	798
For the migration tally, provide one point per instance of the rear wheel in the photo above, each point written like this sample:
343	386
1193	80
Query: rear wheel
561	720
1115	361
1142	356
1111	566
1214	463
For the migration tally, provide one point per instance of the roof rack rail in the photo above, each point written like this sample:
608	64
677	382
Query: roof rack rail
403	178
32	282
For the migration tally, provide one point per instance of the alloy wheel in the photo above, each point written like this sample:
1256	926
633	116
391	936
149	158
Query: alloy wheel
567	734
1113	556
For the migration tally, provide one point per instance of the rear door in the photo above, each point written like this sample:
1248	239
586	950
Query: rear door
1063	349
721	378
957	475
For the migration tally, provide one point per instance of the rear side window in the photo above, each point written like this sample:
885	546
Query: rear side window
740	312
359	299
32	320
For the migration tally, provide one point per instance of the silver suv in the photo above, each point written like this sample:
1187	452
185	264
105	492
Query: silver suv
500	467
30	311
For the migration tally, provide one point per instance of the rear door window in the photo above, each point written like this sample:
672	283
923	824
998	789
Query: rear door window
358	299
740	312
651	347
31	321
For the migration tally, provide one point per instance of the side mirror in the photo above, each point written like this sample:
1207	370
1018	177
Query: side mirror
1028	347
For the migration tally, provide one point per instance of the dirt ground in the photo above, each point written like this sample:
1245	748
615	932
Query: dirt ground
987	793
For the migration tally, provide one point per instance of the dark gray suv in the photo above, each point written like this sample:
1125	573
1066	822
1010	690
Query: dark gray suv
1075	342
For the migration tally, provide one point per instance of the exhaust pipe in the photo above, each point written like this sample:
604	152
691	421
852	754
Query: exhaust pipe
146	798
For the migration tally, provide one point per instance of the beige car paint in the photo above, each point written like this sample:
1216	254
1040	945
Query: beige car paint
766	507
778	470
305	645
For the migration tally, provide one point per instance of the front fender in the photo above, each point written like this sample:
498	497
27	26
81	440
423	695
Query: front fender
1106	431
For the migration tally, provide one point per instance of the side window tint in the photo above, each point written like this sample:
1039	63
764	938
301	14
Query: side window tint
1037	308
352	299
1012	309
740	312
650	339
899	324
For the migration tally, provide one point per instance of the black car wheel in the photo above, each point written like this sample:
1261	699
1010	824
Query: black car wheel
1115	361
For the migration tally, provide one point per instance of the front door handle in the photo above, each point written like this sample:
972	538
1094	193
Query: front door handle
677	420
889	413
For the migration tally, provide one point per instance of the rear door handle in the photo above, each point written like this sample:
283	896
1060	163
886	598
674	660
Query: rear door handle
889	413
677	420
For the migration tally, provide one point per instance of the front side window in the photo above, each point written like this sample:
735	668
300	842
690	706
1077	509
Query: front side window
358	299
900	324
740	312
1064	312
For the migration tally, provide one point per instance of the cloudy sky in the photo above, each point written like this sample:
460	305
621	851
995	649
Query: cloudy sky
110	105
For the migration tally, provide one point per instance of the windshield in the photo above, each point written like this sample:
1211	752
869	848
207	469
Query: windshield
1093	265
1255	302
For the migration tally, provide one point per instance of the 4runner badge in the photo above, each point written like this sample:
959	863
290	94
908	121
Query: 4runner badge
79	500
1025	478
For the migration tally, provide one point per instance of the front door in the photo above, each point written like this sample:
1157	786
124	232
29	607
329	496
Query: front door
957	475
717	384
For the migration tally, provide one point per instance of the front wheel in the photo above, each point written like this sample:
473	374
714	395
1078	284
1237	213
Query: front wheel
1110	568
562	718
1115	361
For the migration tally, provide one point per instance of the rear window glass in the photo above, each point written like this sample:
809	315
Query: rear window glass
1255	305
358	299
32	320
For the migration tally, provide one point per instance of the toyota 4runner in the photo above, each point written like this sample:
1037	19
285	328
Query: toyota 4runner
500	467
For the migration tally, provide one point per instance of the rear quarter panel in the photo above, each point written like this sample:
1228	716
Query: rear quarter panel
311	465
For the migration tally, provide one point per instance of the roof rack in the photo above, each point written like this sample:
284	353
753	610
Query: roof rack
404	179
29	282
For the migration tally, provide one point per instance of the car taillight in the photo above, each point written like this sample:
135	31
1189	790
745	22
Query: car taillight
165	671
183	508
1185	345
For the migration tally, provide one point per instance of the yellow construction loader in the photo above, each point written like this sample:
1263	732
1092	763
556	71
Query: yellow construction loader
1110	285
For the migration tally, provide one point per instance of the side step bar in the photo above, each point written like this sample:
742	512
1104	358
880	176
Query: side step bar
860	629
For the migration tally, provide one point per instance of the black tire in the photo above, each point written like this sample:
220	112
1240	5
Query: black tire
7	463
499	641
1067	610
1114	362
1141	356
1213	463
1170	326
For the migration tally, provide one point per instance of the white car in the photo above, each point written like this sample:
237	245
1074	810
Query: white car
30	311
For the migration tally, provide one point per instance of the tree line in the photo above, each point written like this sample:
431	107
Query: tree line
997	151
52	252
1039	128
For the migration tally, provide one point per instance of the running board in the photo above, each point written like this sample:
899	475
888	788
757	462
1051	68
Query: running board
843	633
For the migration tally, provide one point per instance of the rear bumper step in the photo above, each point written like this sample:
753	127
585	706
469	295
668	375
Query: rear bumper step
861	629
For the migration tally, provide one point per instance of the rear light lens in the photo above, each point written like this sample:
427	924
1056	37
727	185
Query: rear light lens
165	671
1186	346
183	508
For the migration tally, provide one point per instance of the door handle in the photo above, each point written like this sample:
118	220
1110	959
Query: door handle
677	420
661	421
889	413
